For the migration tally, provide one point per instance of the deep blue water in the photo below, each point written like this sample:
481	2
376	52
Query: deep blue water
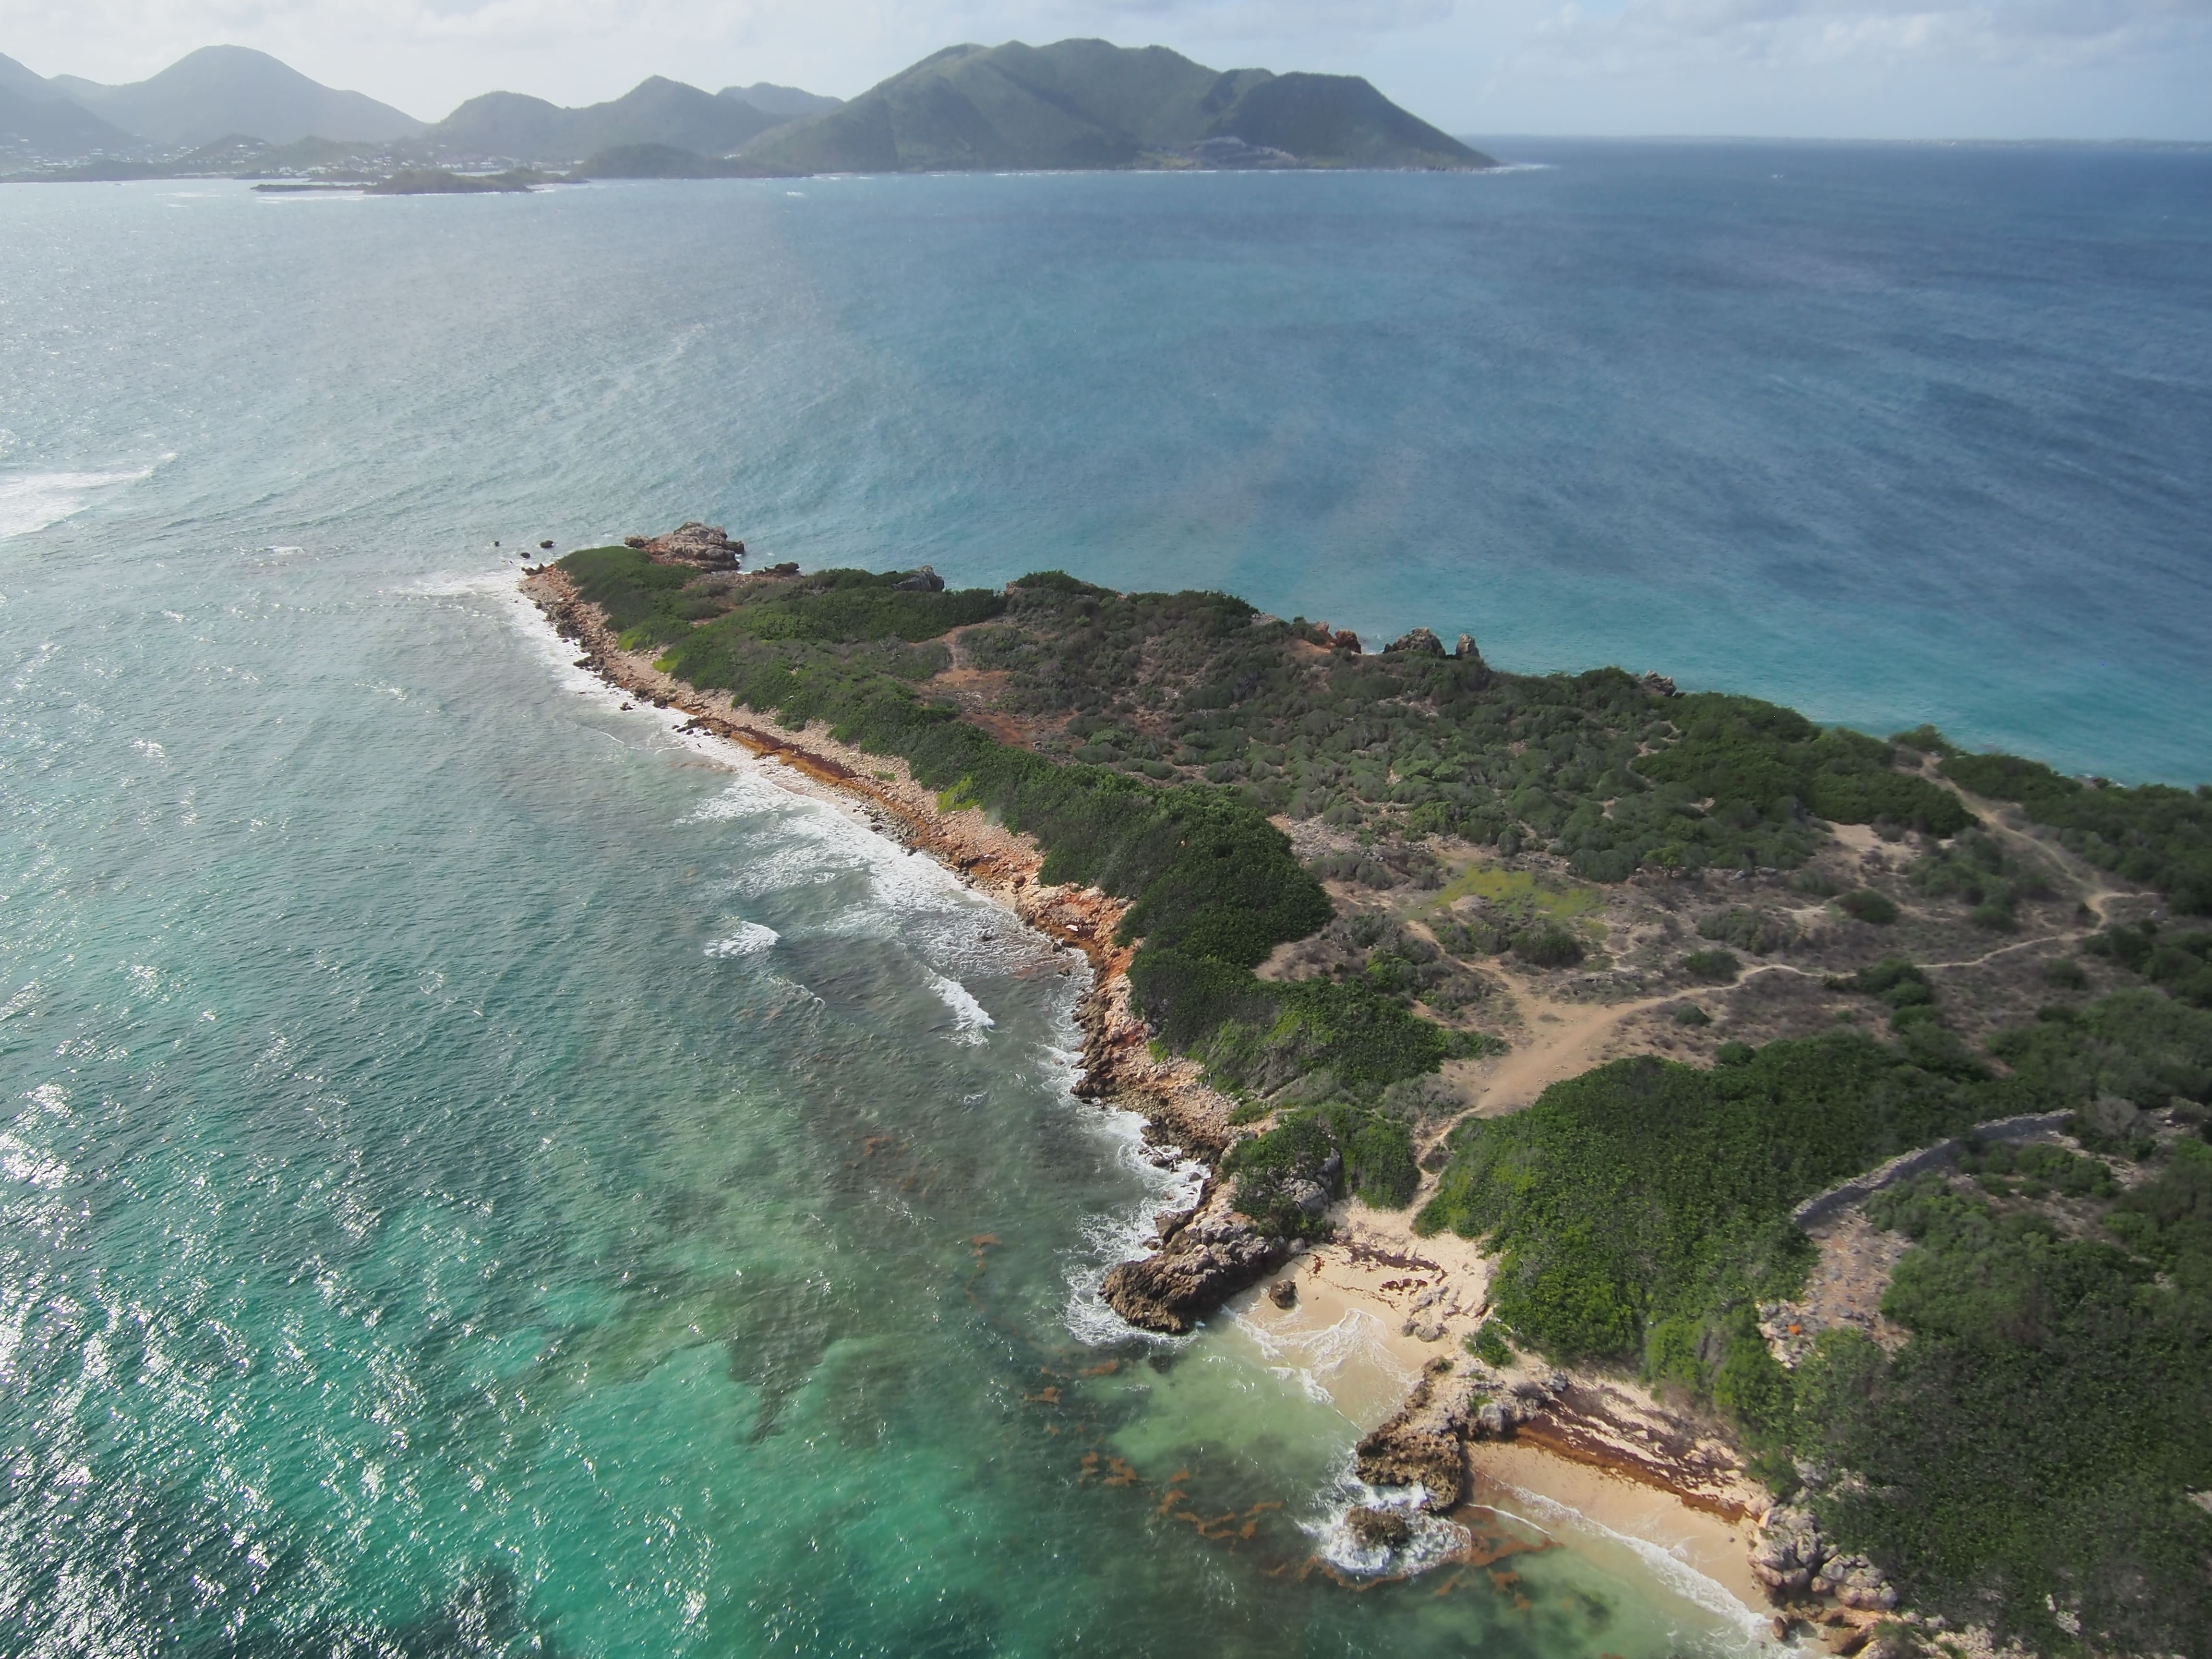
481	1176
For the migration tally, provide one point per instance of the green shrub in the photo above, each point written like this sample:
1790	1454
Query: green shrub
1488	1344
1645	1190
2156	834
1713	966
1867	905
1692	1015
1548	946
2065	973
1759	932
2029	1449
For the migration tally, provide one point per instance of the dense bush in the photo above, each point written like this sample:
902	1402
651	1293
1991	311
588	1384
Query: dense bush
1646	1191
1547	947
2180	961
1313	1155
1864	904
2027	1455
1713	966
1976	869
2156	834
1740	752
1759	932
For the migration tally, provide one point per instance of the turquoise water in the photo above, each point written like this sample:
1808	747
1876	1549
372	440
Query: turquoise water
484	1174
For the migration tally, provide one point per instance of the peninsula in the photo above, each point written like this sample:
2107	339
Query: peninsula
1806	1125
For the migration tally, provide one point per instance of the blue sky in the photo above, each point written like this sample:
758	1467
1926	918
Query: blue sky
1889	69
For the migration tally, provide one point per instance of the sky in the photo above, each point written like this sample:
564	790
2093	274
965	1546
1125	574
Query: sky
1837	68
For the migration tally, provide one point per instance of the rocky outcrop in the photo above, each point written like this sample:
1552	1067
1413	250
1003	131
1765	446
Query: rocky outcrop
1787	1551
1206	1256
1856	1582
924	581
1791	1558
1379	1528
1465	649
1659	685
1420	642
703	546
1422	1443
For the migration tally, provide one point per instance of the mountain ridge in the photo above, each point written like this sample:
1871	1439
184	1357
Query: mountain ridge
218	90
1089	104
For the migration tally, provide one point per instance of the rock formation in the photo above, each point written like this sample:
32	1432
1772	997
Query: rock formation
1421	641
1206	1255
704	546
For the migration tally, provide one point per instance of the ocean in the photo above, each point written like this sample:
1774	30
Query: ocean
484	1173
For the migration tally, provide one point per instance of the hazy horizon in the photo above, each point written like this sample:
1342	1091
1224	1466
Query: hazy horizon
1955	70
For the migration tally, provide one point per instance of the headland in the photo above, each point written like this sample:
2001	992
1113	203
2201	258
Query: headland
1654	1073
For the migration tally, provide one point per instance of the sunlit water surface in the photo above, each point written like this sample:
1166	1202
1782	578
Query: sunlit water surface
483	1174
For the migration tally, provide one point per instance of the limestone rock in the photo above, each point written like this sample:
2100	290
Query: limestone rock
1283	1292
1377	1527
1420	642
1855	1581
1211	1257
703	546
1787	1551
1398	1454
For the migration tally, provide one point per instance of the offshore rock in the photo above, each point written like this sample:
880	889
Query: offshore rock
1375	1528
1421	641
1208	1259
703	546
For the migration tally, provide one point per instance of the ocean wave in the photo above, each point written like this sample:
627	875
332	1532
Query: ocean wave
1668	1568
970	1019
34	500
1432	1542
1307	1356
751	938
1120	1235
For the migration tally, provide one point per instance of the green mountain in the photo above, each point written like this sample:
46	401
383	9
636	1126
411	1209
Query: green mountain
1087	104
783	102
221	90
656	110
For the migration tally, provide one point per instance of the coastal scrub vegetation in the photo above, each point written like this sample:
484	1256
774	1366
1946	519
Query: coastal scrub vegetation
2025	1461
2052	1408
2156	834
1597	767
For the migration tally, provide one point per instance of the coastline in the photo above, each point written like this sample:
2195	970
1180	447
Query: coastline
1598	1457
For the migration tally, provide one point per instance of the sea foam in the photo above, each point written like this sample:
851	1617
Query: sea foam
36	500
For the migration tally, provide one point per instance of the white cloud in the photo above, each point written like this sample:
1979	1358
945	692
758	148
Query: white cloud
1644	35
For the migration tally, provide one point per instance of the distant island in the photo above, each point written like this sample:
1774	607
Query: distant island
1818	1122
1074	105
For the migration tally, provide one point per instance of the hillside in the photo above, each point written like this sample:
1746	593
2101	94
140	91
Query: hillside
785	103
1086	104
510	126
221	90
53	126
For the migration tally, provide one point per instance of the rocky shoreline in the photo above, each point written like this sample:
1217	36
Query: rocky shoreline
1206	1254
